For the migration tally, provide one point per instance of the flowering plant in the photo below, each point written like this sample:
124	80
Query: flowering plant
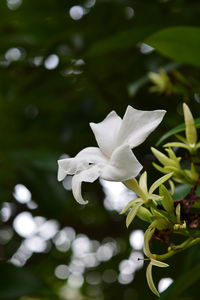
114	160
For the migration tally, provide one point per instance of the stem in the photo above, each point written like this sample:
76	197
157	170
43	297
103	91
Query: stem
133	185
175	249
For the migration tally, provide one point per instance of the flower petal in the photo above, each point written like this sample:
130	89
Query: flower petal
93	155
80	162
123	165
137	125
106	132
69	166
89	175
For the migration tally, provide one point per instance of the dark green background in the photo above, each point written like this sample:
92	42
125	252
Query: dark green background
45	113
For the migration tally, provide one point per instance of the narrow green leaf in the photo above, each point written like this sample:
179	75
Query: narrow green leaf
190	129
175	130
163	159
130	204
131	215
144	214
147	237
158	263
159	168
143	182
158	182
167	201
176	144
150	280
178	213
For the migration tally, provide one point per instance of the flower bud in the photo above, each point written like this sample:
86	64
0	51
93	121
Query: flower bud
190	129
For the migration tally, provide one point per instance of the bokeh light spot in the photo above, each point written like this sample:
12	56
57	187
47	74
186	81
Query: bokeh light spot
24	224
51	62
76	12
136	239
21	193
164	283
62	271
13	54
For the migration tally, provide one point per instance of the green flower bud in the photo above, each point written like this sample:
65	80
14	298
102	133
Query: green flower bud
190	129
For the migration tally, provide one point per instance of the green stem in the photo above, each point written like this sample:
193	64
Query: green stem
133	185
175	249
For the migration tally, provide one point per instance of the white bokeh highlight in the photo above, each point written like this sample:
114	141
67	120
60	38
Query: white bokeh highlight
164	283
136	239
116	195
21	193
76	12
51	62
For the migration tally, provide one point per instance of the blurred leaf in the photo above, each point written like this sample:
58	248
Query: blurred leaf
16	282
180	285
120	41
181	191
181	43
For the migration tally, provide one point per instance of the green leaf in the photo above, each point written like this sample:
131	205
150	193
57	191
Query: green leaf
131	215
178	213
143	182
118	42
160	223
147	237
167	201
150	280
159	263
176	130
158	182
130	204
181	191
180	43
144	214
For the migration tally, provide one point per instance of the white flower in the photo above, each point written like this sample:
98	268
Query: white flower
114	159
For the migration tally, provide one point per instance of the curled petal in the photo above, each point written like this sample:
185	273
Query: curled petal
93	155
89	175
61	173
70	166
123	165
137	125
80	162
106	132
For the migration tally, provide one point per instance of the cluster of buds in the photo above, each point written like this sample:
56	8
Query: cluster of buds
113	160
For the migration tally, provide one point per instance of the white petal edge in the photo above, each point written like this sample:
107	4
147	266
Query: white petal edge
89	175
61	173
106	132
137	125
70	166
123	165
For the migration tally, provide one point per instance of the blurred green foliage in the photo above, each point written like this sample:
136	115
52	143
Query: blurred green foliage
100	62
